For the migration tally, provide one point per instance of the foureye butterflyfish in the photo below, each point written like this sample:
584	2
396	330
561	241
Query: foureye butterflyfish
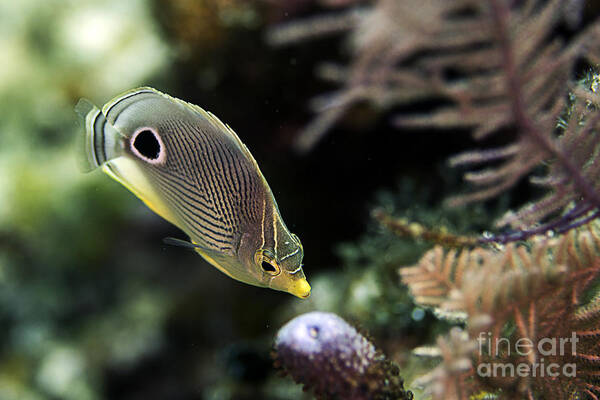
194	171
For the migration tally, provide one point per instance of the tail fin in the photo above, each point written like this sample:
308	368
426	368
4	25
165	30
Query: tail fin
100	141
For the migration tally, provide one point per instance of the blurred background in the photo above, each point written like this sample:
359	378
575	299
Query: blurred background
92	304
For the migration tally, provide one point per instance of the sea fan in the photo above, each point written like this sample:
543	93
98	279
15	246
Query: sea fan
504	69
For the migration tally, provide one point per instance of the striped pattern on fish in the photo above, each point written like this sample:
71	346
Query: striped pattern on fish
195	172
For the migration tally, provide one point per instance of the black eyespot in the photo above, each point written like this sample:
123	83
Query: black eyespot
267	267
147	144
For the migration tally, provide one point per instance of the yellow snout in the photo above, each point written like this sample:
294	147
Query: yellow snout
300	288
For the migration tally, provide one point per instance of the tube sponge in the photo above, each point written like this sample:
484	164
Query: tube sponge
329	356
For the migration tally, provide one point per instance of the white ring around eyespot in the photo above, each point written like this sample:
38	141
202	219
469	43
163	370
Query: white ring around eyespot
161	151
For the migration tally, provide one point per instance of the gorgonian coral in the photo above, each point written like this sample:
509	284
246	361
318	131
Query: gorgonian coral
498	68
535	292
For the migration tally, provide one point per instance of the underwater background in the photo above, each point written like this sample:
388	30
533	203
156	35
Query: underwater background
93	304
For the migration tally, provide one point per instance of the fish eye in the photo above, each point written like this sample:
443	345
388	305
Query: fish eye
267	263
267	267
146	144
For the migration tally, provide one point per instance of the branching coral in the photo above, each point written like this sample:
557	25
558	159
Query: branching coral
503	68
330	357
518	295
451	380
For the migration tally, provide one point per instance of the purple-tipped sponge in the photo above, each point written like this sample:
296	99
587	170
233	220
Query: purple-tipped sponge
329	356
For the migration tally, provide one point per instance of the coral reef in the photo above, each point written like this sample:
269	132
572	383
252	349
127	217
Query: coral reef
93	306
330	357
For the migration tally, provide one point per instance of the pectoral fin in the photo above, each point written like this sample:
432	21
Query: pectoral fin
180	243
199	249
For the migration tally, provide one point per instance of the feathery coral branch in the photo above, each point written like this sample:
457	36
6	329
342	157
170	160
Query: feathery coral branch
503	66
529	293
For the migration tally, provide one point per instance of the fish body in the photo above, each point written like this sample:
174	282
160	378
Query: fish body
194	171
